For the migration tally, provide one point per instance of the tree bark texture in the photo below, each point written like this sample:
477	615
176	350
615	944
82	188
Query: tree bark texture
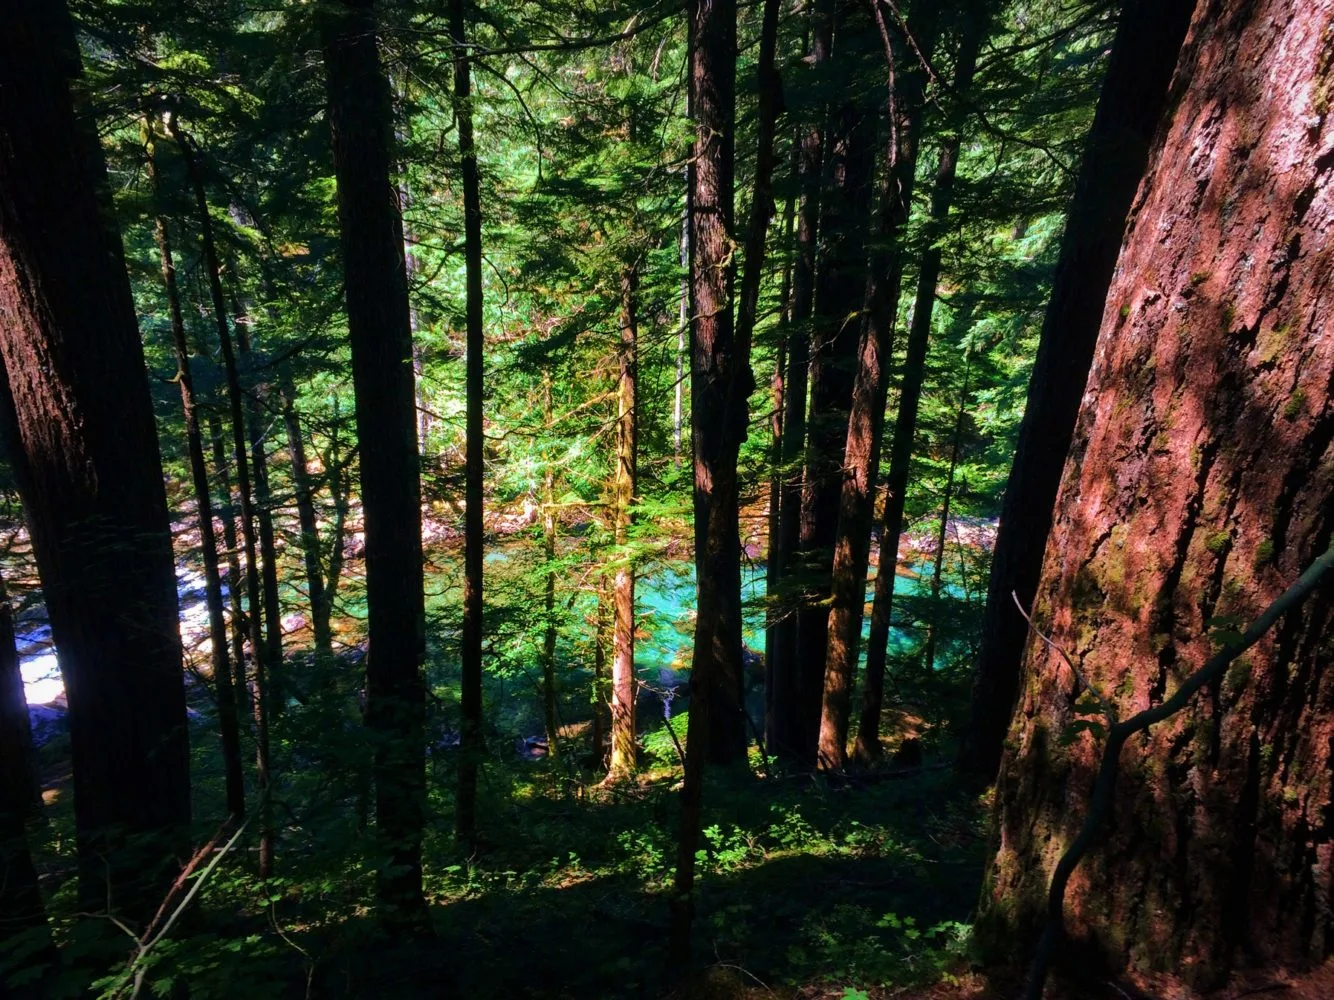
839	300
623	683
1200	483
789	701
866	417
360	125
1134	94
910	394
720	383
79	426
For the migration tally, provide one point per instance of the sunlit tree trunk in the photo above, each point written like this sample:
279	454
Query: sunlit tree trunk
721	383
549	689
1134	94
78	422
623	684
866	417
840	290
1199	484
371	231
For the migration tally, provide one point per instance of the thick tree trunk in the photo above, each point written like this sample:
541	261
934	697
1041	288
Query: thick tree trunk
235	397
228	724
866	418
360	125
79	426
304	491
789	701
623	683
473	602
1133	97
905	420
720	383
839	299
1200	482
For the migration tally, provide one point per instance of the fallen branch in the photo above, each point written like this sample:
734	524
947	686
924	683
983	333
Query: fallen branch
1104	787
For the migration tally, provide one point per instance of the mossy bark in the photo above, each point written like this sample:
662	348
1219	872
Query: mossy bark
1194	491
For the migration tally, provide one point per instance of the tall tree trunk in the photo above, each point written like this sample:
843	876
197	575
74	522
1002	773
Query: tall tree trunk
234	776
304	491
237	626
549	691
268	547
340	490
773	568
1199	484
790	701
473	603
942	533
360	125
235	396
866	417
839	300
25	937
1134	95
910	391
720	384
623	685
601	724
79	425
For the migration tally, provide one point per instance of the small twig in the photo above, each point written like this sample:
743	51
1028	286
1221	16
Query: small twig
1107	709
1104	787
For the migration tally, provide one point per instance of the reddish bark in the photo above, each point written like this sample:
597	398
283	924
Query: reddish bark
910	394
79	425
846	204
623	591
866	416
1134	94
1200	482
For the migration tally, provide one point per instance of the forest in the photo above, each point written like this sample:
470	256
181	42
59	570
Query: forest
835	498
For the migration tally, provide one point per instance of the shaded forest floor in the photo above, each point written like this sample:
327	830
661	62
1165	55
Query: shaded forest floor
808	891
804	886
